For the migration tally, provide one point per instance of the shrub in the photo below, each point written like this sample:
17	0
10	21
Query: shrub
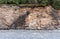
3	1
56	4
23	1
31	1
43	2
28	1
13	1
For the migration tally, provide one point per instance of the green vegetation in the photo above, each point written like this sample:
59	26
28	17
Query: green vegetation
53	3
3	1
41	2
44	2
56	4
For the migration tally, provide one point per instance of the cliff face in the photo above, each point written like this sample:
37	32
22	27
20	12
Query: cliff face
42	18
29	18
7	15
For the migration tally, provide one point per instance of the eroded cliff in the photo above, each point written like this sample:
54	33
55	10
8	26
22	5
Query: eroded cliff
29	18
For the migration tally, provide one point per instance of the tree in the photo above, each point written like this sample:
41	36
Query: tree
3	1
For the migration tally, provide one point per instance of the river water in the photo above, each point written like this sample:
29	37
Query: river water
29	34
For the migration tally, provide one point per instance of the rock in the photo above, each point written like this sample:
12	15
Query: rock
8	15
20	22
41	18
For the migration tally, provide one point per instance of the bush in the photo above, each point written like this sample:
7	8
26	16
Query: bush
13	1
43	2
56	4
32	2
3	1
9	1
23	1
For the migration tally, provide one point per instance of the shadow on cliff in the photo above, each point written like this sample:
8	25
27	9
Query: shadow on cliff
20	22
55	17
